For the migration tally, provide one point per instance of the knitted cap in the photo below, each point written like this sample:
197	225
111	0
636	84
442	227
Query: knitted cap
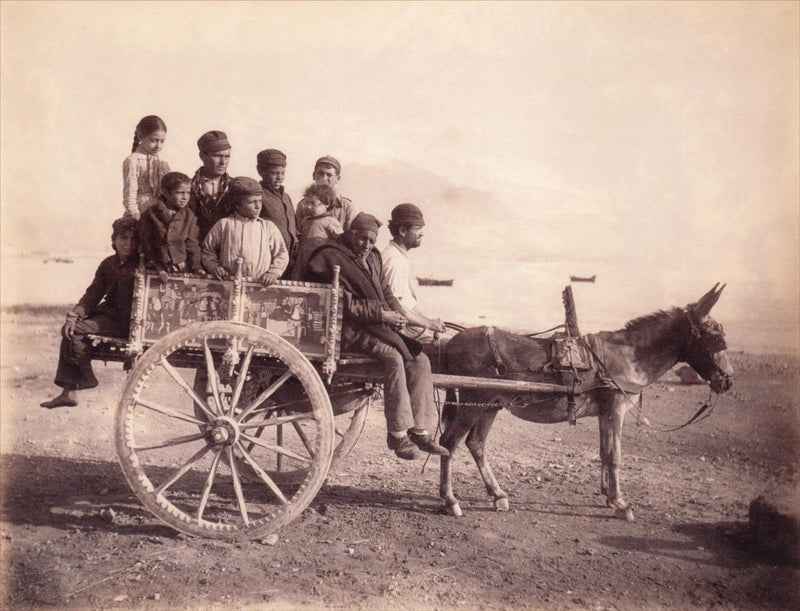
407	214
366	221
331	161
270	157
213	142
243	185
122	225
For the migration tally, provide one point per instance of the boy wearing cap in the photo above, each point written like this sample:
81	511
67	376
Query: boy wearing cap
328	171
278	207
104	309
209	198
371	320
406	228
244	234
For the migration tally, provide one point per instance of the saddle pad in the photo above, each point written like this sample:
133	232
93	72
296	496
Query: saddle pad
569	353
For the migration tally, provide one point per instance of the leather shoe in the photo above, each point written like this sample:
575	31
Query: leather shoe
427	444
402	447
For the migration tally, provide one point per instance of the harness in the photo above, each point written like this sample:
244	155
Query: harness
572	365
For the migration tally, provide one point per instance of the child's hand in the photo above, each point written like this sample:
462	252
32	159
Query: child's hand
200	273
268	278
220	273
162	275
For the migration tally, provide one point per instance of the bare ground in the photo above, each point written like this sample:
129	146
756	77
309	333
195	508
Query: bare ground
74	536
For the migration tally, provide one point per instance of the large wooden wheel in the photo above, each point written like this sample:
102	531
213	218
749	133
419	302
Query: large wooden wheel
211	463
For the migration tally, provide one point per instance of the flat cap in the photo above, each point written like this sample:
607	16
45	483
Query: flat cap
213	142
270	157
407	214
328	160
244	185
364	220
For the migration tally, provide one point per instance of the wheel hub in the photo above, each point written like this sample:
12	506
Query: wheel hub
223	432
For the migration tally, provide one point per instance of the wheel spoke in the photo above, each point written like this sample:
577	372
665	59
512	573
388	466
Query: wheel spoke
168	412
277	449
237	485
301	434
245	367
274	421
186	388
230	463
212	375
175	441
262	474
207	487
265	395
182	471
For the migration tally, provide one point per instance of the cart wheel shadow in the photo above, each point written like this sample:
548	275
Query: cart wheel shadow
73	494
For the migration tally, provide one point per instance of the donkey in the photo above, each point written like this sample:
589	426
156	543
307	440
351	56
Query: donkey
628	360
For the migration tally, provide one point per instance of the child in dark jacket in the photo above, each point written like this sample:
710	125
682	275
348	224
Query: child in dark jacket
113	281
168	229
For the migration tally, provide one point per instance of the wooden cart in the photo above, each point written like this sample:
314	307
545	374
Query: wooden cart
238	401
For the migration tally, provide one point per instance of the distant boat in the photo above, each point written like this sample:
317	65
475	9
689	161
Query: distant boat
58	260
434	282
582	278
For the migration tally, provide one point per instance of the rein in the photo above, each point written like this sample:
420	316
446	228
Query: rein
708	404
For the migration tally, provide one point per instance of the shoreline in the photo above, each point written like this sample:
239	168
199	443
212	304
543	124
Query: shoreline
56	311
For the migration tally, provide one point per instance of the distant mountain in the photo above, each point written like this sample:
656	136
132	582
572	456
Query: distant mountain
518	222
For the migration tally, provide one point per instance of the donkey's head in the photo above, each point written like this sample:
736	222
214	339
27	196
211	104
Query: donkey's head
704	350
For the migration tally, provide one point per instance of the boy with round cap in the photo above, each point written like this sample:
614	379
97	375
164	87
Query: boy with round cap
328	171
406	228
278	207
245	234
372	317
104	309
209	198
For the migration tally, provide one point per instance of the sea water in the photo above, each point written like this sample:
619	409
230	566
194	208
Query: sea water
518	295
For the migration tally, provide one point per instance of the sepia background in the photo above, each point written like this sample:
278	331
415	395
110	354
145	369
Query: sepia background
654	145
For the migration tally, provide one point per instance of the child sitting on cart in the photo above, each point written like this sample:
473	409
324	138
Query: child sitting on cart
104	309
317	223
168	229
244	235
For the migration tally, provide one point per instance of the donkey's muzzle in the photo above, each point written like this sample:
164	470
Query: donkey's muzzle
722	378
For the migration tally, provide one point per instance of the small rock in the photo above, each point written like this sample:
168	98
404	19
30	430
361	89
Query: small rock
120	598
108	514
270	539
156	596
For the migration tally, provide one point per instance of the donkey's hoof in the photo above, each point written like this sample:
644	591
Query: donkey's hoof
624	513
453	510
501	504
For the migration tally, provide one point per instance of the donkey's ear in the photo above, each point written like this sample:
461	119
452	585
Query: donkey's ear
707	301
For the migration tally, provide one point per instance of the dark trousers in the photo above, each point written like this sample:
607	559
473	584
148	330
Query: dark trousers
74	370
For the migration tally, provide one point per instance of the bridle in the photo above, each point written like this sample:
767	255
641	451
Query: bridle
707	338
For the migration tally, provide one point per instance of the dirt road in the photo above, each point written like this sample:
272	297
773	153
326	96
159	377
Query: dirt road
74	536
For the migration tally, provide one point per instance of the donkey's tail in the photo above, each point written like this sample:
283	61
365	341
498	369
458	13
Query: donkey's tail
449	408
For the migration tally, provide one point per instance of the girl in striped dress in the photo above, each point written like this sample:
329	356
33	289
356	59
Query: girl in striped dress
142	169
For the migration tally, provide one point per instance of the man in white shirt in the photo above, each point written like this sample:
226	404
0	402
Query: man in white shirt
406	228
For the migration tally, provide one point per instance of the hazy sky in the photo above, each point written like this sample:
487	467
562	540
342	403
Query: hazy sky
681	119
